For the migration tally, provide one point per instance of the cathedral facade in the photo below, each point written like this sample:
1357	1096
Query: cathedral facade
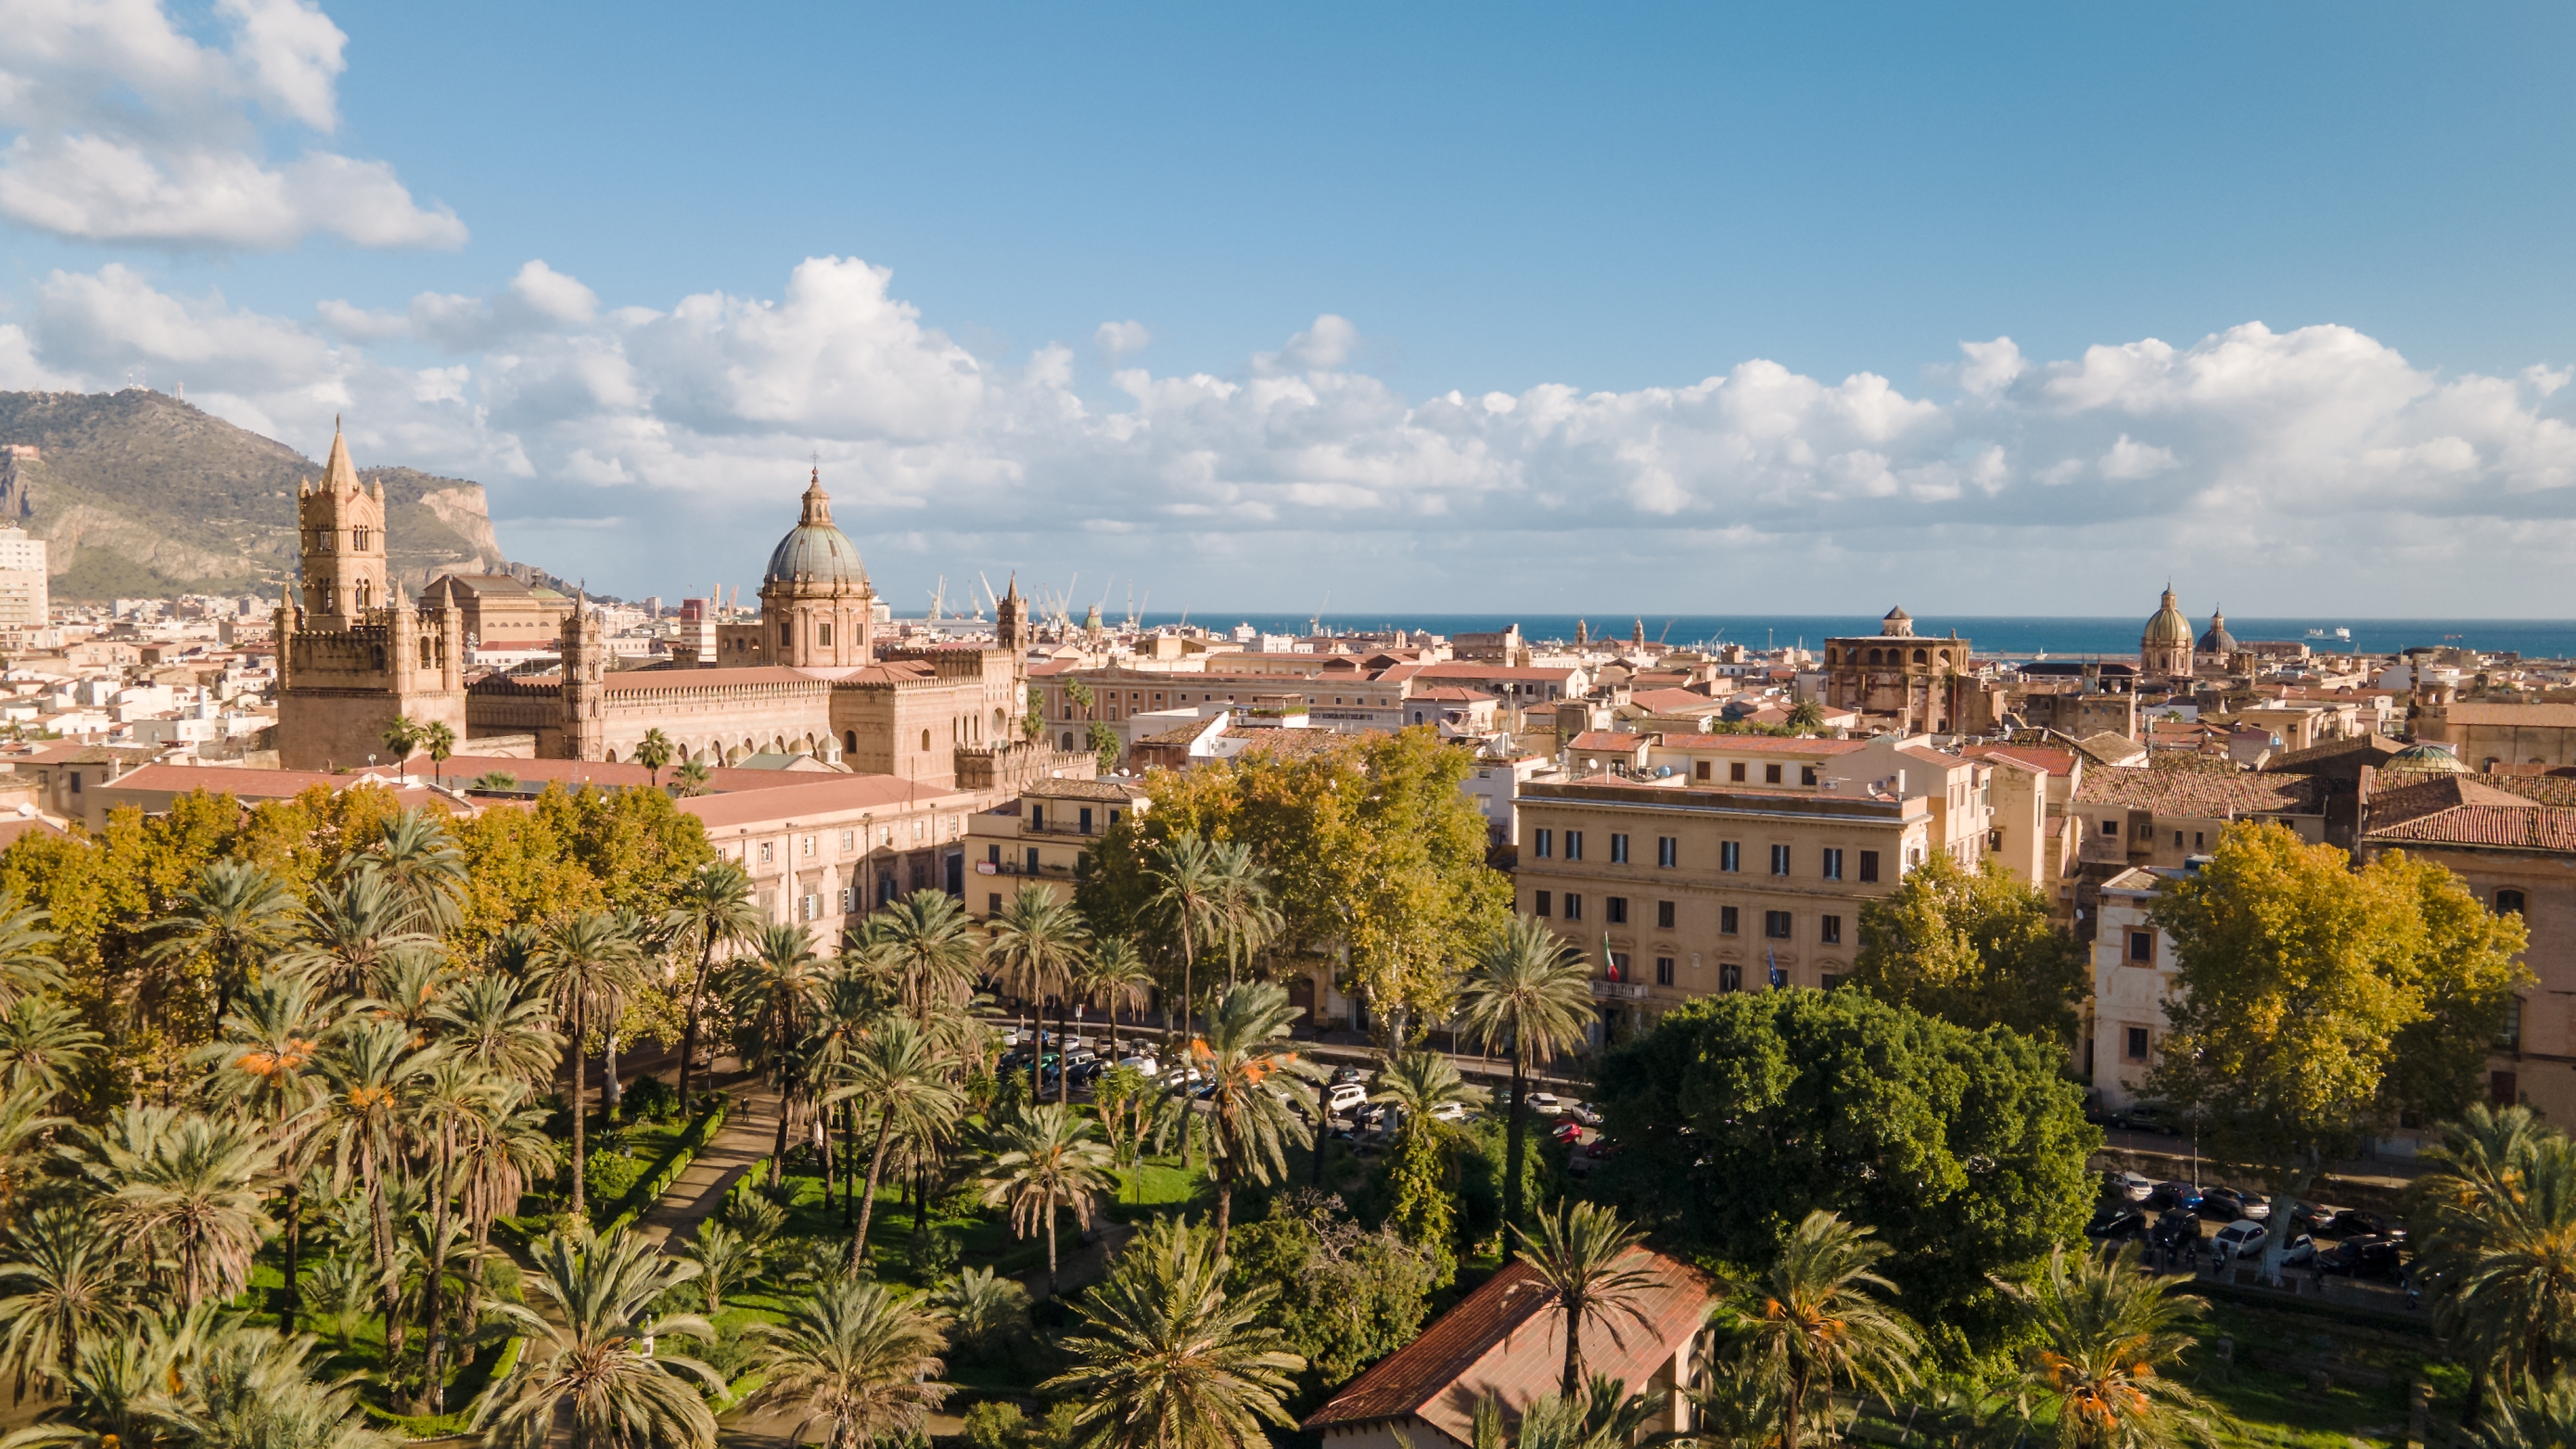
807	678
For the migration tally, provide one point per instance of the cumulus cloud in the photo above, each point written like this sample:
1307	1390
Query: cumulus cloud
2319	449
1117	339
123	128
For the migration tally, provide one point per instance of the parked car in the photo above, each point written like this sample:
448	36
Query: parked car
2128	1186
2224	1205
1344	1096
2357	1223
1450	1112
1545	1104
2173	1230
2302	1250
2309	1217
1568	1133
2173	1197
2145	1117
2365	1257
2116	1222
1345	1074
2240	1239
1582	1112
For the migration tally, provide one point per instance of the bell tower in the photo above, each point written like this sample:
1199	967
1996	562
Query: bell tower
1011	619
343	547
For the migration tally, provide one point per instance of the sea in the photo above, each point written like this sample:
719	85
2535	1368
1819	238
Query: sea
2008	637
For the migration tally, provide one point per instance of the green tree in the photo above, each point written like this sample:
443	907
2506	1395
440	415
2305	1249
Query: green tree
1256	1088
1044	1161
694	777
235	915
371	1078
1530	994
401	738
897	1075
68	1281
926	943
773	993
1805	717
857	1357
712	908
2313	1003
1420	1085
584	966
1112	973
1818	1319
654	753
1035	945
1164	1357
2104	1371
1978	948
1188	906
1343	1297
2495	1233
185	1189
589	1362
1741	1114
1104	744
438	738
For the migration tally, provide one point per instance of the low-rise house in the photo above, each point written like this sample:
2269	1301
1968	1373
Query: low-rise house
1045	836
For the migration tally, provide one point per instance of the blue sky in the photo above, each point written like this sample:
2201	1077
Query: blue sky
2284	288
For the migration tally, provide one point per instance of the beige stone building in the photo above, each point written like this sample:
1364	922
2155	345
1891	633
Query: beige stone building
830	848
2487	735
1044	837
1917	683
500	612
2164	650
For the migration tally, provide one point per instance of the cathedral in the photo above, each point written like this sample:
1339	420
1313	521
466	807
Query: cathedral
807	678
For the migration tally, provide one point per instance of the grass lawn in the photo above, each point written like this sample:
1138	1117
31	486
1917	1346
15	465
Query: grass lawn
2271	1399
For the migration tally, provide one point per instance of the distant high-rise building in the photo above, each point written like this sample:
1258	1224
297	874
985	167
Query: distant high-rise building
23	596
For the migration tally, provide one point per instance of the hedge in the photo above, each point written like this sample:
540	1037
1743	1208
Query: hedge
644	1194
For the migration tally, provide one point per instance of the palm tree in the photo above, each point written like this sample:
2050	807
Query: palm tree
985	1310
1605	1417
1805	717
68	1281
1531	990
772	992
1166	1360
439	739
488	1025
25	1132
1035	948
1256	1088
1817	1318
1421	1085
2542	1416
1112	972
1248	919
27	964
42	1041
252	1388
723	1257
597	1365
1188	904
518	1151
420	859
713	907
857	1357
1584	1263
2109	1338
2482	1169
372	1075
401	738
457	1115
653	752
185	1188
1045	1160
584	966
353	931
693	777
234	915
926	943
898	1075
496	782
268	1062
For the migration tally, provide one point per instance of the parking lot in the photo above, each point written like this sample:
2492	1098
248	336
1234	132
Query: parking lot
2213	1230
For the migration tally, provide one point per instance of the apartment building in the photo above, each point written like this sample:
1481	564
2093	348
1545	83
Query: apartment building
1339	699
830	848
2133	973
1043	837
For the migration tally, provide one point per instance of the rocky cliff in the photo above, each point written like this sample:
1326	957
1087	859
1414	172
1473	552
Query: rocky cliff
139	494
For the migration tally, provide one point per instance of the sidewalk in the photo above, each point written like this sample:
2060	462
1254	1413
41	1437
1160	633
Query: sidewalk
748	1134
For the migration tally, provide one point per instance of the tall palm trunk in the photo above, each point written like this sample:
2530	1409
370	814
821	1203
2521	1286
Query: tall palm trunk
388	1283
1789	1406
867	1209
778	1158
689	1018
1051	1283
292	1302
849	1164
1224	1193
1064	1048
433	1385
1516	1127
580	1091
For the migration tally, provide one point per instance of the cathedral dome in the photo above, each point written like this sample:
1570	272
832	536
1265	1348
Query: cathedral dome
815	552
2168	626
2425	759
2218	641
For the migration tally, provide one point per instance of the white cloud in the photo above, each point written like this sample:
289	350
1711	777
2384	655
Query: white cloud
2320	449
124	129
1117	339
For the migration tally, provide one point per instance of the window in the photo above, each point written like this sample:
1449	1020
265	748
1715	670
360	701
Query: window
764	850
850	900
2510	1038
1730	856
2134	1047
1084	816
1037	816
925	742
768	852
1574	845
1730	978
1663	915
2197	838
1728	922
993	904
1699	770
1806	774
1668	852
992	855
1735	772
805	846
1775	925
1618	907
823	634
359	537
2501	1090
2177	840
1663	971
849	840
1033	860
1868	866
1770	774
1779	860
786	635
1543	844
1573	906
2111	827
1829	930
1113	817
1540	903
1618	848
1831	980
1833	864
1994	840
2508	903
2142	948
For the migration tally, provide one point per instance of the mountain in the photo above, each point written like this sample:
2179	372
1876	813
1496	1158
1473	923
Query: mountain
140	495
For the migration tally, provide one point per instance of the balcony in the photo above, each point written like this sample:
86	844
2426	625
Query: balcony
1605	990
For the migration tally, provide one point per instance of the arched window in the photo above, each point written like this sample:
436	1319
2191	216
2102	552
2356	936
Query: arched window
850	741
1920	658
2508	903
925	742
1068	739
1874	657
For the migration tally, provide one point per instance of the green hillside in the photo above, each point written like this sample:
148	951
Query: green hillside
139	494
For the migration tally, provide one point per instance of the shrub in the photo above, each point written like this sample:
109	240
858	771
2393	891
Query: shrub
932	1253
996	1425
652	1100
610	1176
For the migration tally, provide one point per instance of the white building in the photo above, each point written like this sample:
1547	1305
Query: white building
24	598
2133	973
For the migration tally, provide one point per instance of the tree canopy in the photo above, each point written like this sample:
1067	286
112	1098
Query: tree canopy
1741	1114
1978	948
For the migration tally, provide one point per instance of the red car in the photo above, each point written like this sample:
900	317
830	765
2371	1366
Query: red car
1567	1133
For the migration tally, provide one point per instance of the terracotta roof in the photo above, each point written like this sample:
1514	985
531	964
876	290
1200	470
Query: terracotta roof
2055	762
1610	741
1116	791
2373	749
1761	744
1450	694
1506	1339
1469	669
14	827
244	784
1674	700
628	681
808	796
2526	716
2198	786
1188	734
722	779
1288	744
897	671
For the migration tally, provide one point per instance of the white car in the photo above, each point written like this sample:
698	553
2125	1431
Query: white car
1545	1104
2240	1239
1450	1112
2136	1188
1144	1064
1345	1097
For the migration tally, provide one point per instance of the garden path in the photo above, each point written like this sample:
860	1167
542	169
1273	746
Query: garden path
749	1132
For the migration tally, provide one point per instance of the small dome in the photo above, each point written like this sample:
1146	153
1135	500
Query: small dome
2218	641
2168	626
814	551
2425	760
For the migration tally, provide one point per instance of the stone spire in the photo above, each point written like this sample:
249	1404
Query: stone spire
818	504
339	475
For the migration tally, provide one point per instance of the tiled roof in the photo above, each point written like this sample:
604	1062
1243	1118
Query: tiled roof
1610	741
805	797
243	784
1469	669
2055	762
1291	743
1450	694
1115	791
1761	744
2459	810
1507	1340
632	681
2373	749
1674	700
721	779
2526	716
2200	787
